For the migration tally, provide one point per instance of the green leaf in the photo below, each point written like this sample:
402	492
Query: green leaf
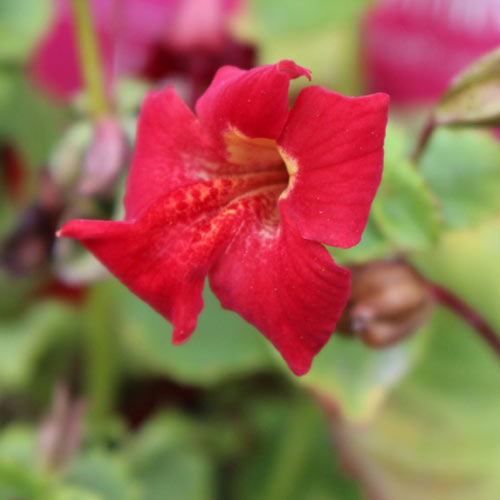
462	168
22	22
18	467
466	262
30	121
18	481
222	346
474	95
404	209
14	290
300	17
17	444
358	378
291	455
437	438
167	455
104	474
23	340
75	494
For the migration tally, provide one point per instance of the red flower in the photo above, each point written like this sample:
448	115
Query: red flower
412	49
245	193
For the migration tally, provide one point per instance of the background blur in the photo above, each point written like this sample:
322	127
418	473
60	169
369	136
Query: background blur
96	404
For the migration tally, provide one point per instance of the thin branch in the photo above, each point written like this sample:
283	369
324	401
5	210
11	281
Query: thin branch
469	315
353	460
90	60
423	140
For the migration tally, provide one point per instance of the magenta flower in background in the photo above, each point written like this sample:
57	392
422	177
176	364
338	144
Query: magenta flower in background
413	48
197	46
142	38
245	193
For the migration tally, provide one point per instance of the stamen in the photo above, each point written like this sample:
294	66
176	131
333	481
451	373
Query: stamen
292	169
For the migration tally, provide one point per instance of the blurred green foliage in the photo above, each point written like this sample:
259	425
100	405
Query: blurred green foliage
223	345
22	22
404	209
461	167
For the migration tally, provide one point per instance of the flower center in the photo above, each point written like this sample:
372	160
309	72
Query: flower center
254	155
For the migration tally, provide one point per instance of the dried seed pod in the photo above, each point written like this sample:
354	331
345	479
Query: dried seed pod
388	302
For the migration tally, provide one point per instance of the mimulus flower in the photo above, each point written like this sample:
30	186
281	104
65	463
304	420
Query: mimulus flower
412	49
245	193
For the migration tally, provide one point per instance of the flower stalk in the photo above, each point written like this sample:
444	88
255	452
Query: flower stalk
452	302
90	59
424	138
102	358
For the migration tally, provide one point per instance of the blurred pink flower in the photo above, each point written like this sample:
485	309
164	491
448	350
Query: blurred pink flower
132	36
412	48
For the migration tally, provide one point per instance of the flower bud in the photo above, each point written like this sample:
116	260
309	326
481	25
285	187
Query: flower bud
90	157
388	301
60	433
104	158
66	160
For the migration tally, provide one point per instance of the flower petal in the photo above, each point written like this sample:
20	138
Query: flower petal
333	148
147	265
164	255
288	287
253	102
171	151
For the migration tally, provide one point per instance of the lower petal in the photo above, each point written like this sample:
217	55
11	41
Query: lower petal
288	287
164	256
147	266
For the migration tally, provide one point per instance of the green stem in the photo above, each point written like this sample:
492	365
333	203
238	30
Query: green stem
455	304
101	355
289	458
90	61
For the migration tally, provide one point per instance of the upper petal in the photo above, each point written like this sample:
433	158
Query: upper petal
254	102
333	148
171	151
288	287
